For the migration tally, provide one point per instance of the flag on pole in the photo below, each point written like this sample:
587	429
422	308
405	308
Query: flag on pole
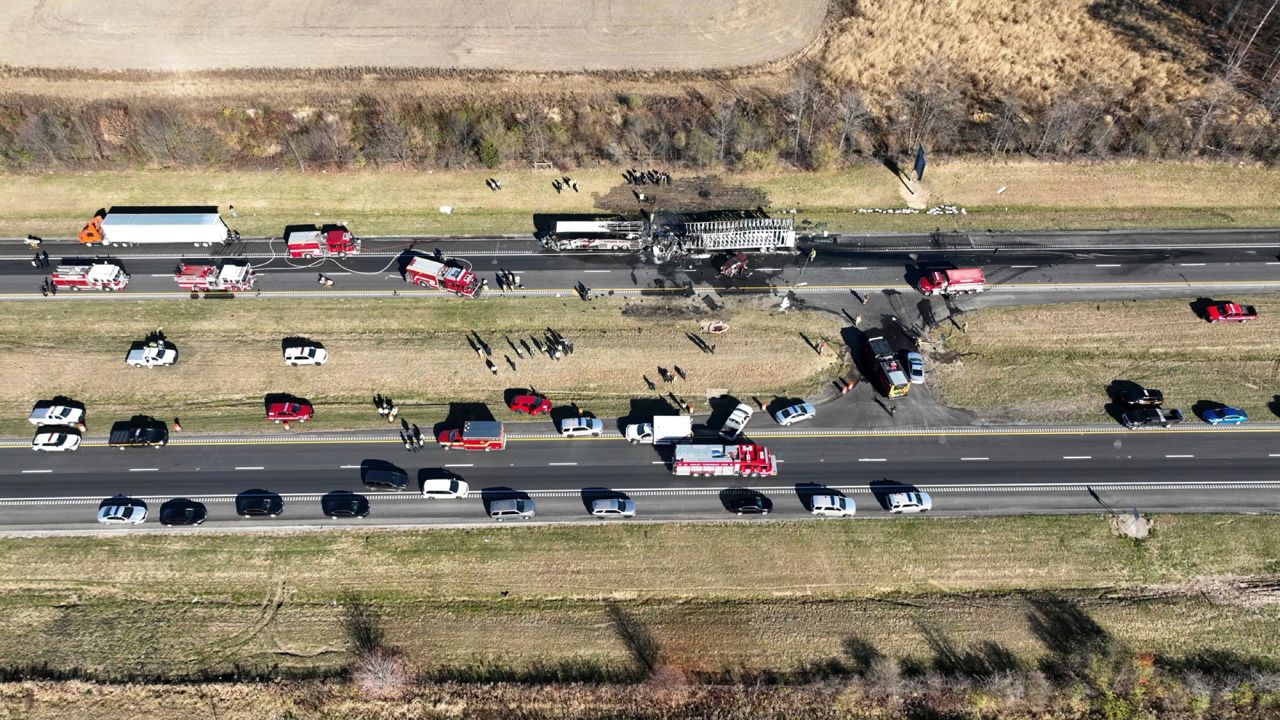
920	162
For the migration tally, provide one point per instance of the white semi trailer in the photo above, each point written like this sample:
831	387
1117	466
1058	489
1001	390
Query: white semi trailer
124	226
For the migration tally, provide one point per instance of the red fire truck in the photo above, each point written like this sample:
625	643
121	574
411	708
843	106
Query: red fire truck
428	273
96	275
330	241
956	281
226	276
475	435
747	460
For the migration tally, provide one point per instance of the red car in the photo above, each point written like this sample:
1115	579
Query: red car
292	411
530	404
1231	312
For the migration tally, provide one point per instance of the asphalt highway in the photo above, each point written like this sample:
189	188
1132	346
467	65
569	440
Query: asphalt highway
1186	263
970	474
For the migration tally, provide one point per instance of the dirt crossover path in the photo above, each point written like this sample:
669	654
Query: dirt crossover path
480	34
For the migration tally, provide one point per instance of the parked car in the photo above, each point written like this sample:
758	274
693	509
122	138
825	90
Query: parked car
152	355
530	404
122	510
445	488
56	439
344	504
581	427
1142	417
1225	416
832	506
613	507
259	503
391	478
305	355
914	363
909	502
737	422
794	414
1139	396
48	413
521	508
181	512
290	411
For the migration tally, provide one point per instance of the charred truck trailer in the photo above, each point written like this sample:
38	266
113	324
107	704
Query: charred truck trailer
668	235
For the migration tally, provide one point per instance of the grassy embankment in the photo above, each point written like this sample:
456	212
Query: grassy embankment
416	352
1055	362
1038	195
512	602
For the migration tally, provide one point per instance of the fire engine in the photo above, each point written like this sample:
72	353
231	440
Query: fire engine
97	276
747	460
428	273
328	242
481	435
226	276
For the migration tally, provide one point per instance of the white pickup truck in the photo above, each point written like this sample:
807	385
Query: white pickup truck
664	430
152	355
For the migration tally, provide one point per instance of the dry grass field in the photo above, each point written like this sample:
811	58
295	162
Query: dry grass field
230	356
490	34
498	602
1037	195
1029	50
1055	362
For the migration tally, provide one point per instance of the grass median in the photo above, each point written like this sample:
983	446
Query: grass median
1019	195
414	351
1055	363
505	603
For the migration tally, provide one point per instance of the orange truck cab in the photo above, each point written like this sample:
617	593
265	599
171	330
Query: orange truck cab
91	234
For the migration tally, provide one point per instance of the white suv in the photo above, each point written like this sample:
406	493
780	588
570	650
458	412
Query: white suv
613	507
121	510
581	427
305	355
737	421
445	488
832	506
513	508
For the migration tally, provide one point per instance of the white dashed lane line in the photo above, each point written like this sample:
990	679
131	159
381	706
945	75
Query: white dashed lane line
253	467
1108	265
596	271
461	465
1191	264
1077	457
872	460
1024	267
352	467
562	463
975	458
1179	456
144	469
28	472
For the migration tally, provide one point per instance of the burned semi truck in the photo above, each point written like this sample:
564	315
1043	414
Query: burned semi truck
667	236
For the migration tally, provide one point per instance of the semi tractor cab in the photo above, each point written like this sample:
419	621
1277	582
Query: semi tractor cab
482	435
959	281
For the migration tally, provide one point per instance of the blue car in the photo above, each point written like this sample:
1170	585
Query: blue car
1225	416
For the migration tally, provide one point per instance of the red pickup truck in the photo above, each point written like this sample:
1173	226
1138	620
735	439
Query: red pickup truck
1231	312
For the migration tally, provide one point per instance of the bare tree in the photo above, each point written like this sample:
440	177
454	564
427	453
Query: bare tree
799	101
723	122
853	116
927	110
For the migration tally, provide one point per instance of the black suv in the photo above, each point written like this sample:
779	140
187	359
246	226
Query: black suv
344	504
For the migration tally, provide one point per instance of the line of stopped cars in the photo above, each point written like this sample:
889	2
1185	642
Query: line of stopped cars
1144	407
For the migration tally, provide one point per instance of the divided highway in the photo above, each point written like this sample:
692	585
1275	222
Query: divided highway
970	474
1181	263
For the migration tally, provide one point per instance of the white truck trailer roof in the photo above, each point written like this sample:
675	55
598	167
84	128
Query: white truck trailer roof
161	227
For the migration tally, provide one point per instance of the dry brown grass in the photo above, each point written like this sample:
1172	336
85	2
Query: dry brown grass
414	351
107	605
1030	50
1054	362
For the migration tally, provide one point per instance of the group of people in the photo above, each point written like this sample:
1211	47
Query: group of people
47	288
386	407
412	437
325	280
646	177
41	259
563	182
508	280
